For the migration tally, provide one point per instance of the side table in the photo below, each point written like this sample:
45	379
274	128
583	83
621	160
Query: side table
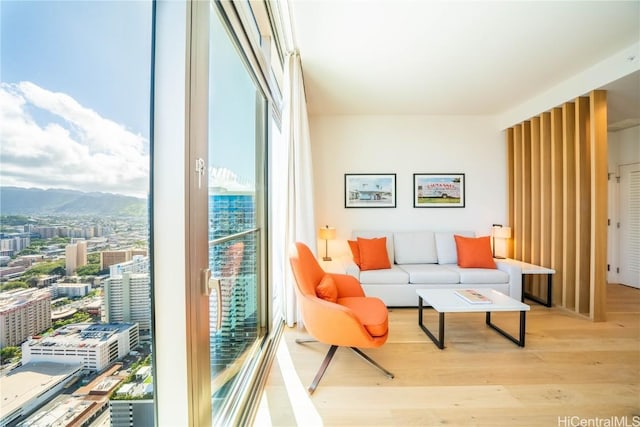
535	269
333	266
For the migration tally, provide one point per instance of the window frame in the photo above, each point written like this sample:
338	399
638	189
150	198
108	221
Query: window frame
183	390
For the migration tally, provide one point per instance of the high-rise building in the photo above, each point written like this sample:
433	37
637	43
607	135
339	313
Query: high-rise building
127	298
81	259
23	313
109	258
75	256
47	232
233	262
71	257
14	243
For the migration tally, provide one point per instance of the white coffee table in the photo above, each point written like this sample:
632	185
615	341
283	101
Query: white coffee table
446	301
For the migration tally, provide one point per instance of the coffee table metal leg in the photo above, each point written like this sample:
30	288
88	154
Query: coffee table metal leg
520	340
437	341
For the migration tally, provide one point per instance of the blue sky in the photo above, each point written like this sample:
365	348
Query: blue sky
75	82
232	102
74	95
98	52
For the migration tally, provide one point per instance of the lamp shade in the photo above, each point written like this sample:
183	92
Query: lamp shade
502	232
327	233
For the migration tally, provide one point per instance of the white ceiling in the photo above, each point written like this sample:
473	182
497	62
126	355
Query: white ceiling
456	57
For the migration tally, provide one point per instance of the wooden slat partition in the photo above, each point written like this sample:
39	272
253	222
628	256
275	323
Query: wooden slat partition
557	184
518	197
599	203
557	199
535	199
569	206
545	196
510	187
583	203
526	190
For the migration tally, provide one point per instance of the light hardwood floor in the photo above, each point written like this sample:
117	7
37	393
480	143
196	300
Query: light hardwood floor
571	370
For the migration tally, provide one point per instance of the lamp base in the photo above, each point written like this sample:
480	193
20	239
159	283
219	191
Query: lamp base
326	258
499	257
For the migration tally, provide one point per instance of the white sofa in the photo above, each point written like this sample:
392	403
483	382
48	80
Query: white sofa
428	260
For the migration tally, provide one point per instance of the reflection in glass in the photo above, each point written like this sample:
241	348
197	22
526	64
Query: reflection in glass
236	108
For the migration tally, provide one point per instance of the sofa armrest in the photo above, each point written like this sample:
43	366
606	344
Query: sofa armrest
351	268
515	278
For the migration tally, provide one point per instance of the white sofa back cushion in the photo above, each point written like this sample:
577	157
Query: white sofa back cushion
418	247
446	245
367	234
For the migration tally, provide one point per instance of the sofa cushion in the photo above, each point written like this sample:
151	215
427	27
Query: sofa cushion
371	312
390	275
474	252
446	246
355	251
367	234
415	247
470	276
373	253
430	274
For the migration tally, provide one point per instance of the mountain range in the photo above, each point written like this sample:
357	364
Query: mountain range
34	201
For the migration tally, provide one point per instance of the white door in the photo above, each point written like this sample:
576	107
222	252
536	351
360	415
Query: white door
629	236
612	230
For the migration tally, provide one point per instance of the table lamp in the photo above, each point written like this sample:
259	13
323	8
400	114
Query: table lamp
499	232
327	233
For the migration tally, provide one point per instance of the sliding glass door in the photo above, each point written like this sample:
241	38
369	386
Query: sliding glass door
236	217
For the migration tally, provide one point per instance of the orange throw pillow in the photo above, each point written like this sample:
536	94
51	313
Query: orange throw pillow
355	251
474	252
327	289
373	253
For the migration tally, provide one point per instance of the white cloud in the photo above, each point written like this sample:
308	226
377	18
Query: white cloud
76	149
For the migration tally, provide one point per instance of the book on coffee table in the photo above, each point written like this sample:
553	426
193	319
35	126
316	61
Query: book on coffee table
473	297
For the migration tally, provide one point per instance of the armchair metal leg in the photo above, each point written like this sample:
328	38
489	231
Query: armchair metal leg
329	356
323	368
372	362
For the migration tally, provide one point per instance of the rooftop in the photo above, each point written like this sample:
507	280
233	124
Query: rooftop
15	298
29	381
81	335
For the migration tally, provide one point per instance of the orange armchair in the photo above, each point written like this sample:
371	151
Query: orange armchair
343	317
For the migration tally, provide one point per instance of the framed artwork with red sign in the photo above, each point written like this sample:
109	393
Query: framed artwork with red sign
438	190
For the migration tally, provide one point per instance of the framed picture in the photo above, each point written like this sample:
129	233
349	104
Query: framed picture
443	190
368	190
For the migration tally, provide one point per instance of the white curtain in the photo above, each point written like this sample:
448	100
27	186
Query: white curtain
299	221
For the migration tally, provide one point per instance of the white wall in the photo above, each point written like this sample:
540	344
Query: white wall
405	145
624	147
